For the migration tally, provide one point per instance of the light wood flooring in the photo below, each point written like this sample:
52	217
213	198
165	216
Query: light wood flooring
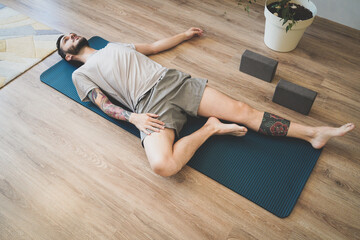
67	173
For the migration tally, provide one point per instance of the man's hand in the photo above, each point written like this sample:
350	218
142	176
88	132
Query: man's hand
192	32
146	121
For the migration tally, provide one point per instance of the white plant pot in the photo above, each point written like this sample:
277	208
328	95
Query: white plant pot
276	37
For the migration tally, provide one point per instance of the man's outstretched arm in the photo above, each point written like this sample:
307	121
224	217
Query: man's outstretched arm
167	43
141	121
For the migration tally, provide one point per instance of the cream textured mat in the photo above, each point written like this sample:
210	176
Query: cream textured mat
23	43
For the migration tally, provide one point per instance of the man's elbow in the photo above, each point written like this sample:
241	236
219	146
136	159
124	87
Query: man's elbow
153	49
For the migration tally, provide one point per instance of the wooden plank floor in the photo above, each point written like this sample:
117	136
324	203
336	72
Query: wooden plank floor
66	173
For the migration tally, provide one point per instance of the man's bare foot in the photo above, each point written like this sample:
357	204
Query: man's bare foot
226	129
323	134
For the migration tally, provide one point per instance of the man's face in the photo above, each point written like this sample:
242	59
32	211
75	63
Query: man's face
72	43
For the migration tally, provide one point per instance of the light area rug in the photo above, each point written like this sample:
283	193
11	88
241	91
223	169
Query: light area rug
23	43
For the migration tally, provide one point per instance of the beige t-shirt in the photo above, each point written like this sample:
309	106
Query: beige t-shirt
120	71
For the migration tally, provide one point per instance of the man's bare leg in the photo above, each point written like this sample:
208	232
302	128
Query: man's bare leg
167	158
219	105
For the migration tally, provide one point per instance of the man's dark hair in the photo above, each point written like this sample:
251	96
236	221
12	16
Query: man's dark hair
63	54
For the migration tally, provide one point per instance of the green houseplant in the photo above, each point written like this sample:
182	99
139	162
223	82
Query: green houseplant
286	22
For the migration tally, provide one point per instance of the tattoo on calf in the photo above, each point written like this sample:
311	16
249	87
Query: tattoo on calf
274	125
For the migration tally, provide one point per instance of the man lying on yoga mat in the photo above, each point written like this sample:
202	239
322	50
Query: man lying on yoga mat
160	98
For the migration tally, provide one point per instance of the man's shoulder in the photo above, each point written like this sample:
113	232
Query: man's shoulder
79	73
83	69
121	45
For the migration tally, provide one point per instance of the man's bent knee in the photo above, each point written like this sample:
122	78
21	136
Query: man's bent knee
159	151
164	166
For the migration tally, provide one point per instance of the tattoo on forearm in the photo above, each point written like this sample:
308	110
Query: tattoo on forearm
115	111
99	98
92	95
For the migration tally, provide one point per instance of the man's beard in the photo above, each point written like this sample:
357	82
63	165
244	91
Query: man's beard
76	49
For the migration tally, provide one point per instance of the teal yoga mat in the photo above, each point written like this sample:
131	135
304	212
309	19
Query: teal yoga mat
270	171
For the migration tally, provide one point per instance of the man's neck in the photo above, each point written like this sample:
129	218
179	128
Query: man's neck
85	53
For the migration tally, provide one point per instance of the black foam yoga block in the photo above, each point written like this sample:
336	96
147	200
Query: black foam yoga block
258	65
293	96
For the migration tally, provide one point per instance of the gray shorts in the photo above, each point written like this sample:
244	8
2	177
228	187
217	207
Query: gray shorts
173	97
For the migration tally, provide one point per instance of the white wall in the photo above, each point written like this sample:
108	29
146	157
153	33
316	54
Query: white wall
341	11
